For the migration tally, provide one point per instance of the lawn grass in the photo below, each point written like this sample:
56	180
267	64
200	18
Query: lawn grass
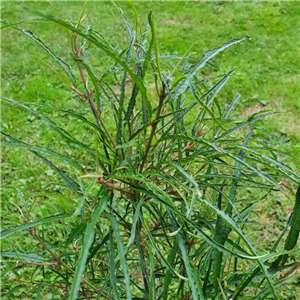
267	77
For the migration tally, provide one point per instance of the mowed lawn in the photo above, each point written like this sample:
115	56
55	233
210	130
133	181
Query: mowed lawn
266	76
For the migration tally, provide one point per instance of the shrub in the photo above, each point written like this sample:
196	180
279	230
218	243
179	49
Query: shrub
161	208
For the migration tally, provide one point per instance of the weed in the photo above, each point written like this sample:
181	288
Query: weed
158	209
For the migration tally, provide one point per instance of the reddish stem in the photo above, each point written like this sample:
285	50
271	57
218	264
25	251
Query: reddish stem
89	96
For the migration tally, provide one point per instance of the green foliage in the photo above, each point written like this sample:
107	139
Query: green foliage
157	210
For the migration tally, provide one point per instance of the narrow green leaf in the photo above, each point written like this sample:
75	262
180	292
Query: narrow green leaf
122	95
152	288
96	84
88	240
7	25
148	58
295	225
126	22
121	253
146	117
64	111
243	124
183	172
98	246
143	263
69	181
77	231
137	19
53	125
183	84
231	106
16	143
12	291
19	255
110	53
63	65
169	275
291	240
112	271
8	232
153	30
81	14
185	257
211	94
282	168
134	223
132	102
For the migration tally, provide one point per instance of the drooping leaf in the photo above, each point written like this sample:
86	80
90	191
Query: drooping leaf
53	125
19	255
63	65
7	232
16	143
69	181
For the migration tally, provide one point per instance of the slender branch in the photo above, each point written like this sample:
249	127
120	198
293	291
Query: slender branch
35	235
60	262
40	282
39	264
154	126
143	254
139	241
89	94
157	89
290	271
111	186
78	92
